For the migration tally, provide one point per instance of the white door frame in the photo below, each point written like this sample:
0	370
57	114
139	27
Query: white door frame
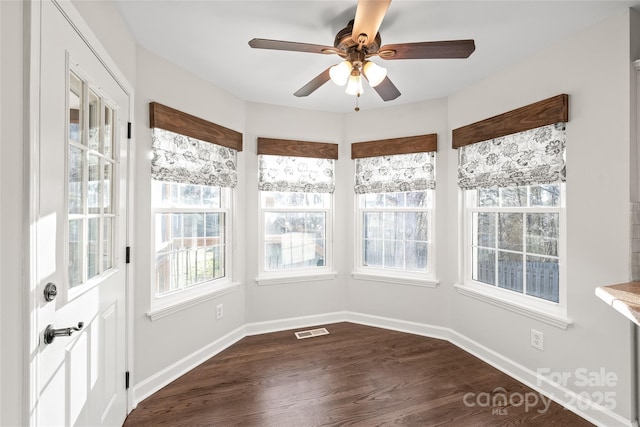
30	344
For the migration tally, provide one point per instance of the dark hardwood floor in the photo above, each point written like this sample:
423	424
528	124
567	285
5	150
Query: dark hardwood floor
357	375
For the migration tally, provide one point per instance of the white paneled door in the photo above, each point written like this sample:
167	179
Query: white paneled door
79	219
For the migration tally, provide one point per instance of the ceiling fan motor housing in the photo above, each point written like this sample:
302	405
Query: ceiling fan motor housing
345	43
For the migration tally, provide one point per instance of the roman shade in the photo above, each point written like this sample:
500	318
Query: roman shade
296	166
400	172
186	160
397	164
535	156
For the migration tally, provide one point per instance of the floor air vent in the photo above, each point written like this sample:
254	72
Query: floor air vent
312	333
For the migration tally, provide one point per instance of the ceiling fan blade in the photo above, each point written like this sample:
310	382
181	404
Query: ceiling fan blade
314	84
290	46
387	90
428	50
369	16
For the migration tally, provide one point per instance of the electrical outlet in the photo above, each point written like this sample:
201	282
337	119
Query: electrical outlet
219	311
537	339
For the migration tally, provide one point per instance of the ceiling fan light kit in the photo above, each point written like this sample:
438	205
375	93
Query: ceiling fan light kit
359	41
340	73
354	85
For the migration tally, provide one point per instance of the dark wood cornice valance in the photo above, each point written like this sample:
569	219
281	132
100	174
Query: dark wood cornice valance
167	118
541	113
287	147
390	147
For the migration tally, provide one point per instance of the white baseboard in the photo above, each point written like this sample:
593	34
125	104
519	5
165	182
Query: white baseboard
594	413
150	385
258	328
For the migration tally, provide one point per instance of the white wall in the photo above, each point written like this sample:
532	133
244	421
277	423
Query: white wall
161	343
281	301
12	209
593	68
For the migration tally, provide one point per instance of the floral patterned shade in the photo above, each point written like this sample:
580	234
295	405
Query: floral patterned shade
186	160
535	156
400	172
295	174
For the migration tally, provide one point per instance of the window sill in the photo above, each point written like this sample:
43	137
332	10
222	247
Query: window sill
282	279
400	280
558	320
175	306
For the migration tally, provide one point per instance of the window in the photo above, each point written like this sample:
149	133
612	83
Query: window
394	203
296	210
91	192
192	190
395	231
295	230
190	234
515	238
514	216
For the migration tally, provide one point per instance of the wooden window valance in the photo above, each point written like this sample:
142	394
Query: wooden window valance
292	148
546	112
167	118
393	146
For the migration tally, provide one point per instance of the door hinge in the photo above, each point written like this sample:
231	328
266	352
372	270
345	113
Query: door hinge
126	380
129	130
127	256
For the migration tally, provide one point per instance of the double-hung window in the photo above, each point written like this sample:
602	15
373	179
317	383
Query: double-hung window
296	205
514	196
192	190
394	211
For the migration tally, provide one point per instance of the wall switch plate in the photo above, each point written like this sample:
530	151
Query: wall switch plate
537	339
219	311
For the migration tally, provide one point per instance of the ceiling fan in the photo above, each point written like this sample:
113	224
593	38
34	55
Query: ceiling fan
359	41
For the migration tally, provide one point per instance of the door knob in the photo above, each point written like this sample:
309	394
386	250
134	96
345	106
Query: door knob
50	333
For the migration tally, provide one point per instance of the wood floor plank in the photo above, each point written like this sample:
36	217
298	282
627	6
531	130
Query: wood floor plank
357	376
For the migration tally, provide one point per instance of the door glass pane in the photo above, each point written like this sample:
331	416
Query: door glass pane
76	179
93	242
108	187
75	252
107	246
94	187
107	147
94	121
75	109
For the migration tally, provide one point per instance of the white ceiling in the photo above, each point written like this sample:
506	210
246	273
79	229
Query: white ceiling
210	38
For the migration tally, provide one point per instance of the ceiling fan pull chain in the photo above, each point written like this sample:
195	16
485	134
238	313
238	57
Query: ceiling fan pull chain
357	98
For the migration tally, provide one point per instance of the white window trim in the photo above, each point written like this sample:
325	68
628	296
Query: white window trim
387	275
299	276
549	312
284	276
180	299
168	304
